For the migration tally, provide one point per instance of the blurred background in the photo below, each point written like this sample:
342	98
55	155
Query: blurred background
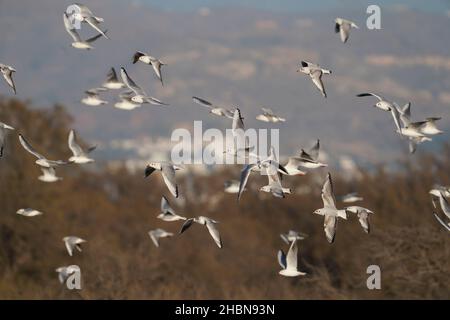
241	53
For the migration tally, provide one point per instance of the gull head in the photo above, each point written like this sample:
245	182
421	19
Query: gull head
320	212
137	99
383	105
42	163
77	16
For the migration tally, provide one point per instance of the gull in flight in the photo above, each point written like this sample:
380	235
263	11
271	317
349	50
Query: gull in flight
84	14
231	186
140	96
309	159
41	160
269	116
274	185
315	72
240	146
66	271
167	213
289	262
329	210
49	175
210	225
158	233
437	190
112	82
3	132
417	132
343	26
79	155
270	163
147	59
293	236
73	243
219	111
363	215
168	173
28	212
126	102
445	207
77	42
385	105
7	72
293	167
92	98
351	197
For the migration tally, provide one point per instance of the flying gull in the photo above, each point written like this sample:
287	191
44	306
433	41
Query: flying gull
66	271
219	111
269	166
363	215
444	207
351	197
140	96
309	159
3	132
78	43
274	185
41	160
343	26
168	173
28	212
147	59
293	166
293	236
49	175
72	243
386	105
289	262
329	210
83	14
210	225
158	233
437	189
126	102
269	116
92	98
79	155
112	82
7	72
167	213
315	72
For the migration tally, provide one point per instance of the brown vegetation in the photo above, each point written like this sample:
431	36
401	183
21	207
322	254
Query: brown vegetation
114	211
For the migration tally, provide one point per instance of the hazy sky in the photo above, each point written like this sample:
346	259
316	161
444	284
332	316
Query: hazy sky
242	53
297	6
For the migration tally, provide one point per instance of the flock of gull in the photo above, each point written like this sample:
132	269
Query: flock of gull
305	160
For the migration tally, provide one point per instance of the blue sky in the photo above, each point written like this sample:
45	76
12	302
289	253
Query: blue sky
298	6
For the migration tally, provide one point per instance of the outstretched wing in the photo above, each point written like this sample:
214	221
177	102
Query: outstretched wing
291	258
281	259
70	30
214	232
168	174
328	198
186	225
73	146
330	224
165	206
29	148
